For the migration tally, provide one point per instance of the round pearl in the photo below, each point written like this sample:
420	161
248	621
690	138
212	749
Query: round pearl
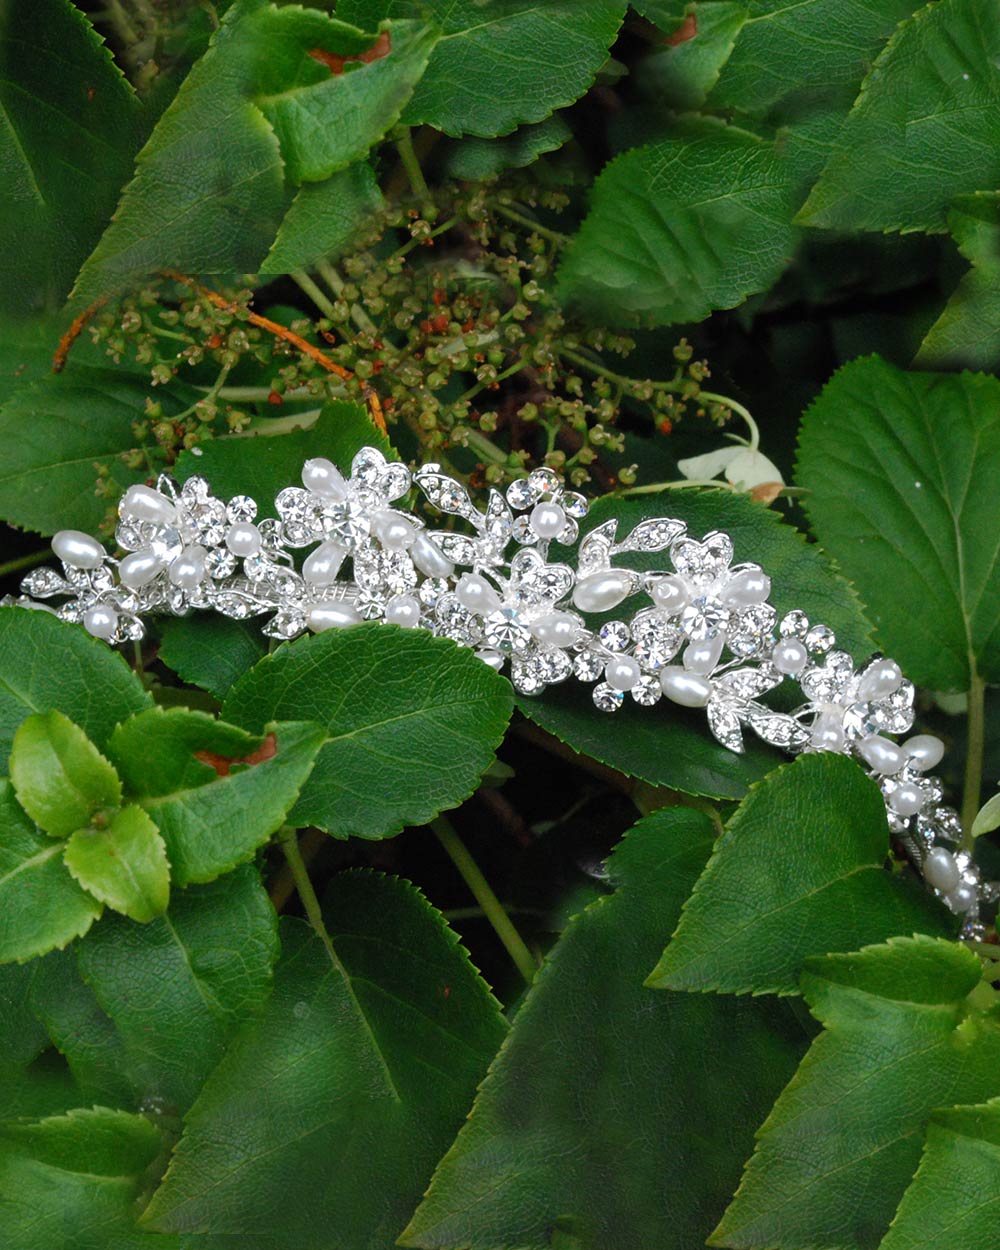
331	616
101	622
940	870
962	897
493	658
881	755
702	657
403	610
746	588
476	594
827	733
547	520
243	538
556	629
622	672
142	503
78	550
882	678
924	751
790	656
138	569
429	558
670	592
321	566
907	799
323	477
188	570
600	592
393	531
687	689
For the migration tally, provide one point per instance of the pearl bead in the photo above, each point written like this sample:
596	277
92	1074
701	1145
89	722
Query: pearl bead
493	658
476	594
702	657
881	755
393	531
622	672
429	558
962	897
670	592
940	870
907	799
924	750
403	610
331	616
321	566
138	569
323	477
78	550
827	732
881	679
746	588
243	538
557	629
188	570
687	689
790	656
547	520
101	622
142	503
600	592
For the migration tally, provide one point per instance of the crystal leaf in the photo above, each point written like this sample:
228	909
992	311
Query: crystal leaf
654	534
43	583
777	728
448	495
748	683
595	550
724	722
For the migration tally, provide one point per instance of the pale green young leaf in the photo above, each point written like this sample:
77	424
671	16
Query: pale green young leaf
59	776
124	864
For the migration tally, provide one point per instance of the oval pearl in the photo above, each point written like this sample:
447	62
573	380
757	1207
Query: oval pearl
243	538
670	592
702	657
429	558
476	594
547	520
101	622
687	689
138	569
188	569
331	616
557	629
142	503
882	679
403	610
78	550
322	477
746	588
493	658
827	733
881	755
907	799
940	870
602	591
962	897
321	566
924	750
393	531
622	672
790	656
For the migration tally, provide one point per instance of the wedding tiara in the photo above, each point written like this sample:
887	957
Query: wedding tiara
707	637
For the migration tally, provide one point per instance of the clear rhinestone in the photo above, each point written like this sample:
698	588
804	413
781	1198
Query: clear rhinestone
130	629
128	536
206	522
395	481
294	504
724	722
657	639
258	567
221	562
456	622
647	691
504	632
43	583
459	548
72	611
385	572
367	466
589	665
750	631
574	505
195	490
704	617
166	544
522	494
820	639
794	623
522	532
704	562
286	623
431	590
241	508
614	635
554	665
653	535
526	677
607	699
370	605
235	605
569	533
545	480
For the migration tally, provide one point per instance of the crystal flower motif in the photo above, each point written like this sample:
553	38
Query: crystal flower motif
343	513
710	595
845	705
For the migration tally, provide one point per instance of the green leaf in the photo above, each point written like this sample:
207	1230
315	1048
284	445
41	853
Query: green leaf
987	818
953	1198
98	1140
47	663
497	68
903	1037
69	127
911	516
474	159
967	333
324	219
798	872
668	746
934	89
211	651
214	792
604	1114
177	988
681	227
41	906
33	1079
370	1059
681	75
59	776
124	864
409	723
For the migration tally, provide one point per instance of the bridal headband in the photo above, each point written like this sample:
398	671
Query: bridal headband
705	635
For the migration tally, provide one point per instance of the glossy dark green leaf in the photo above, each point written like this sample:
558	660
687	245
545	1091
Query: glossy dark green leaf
346	1092
798	872
472	158
604	1115
905	1033
324	219
682	74
911	516
409	722
123	864
211	651
59	776
34	1080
